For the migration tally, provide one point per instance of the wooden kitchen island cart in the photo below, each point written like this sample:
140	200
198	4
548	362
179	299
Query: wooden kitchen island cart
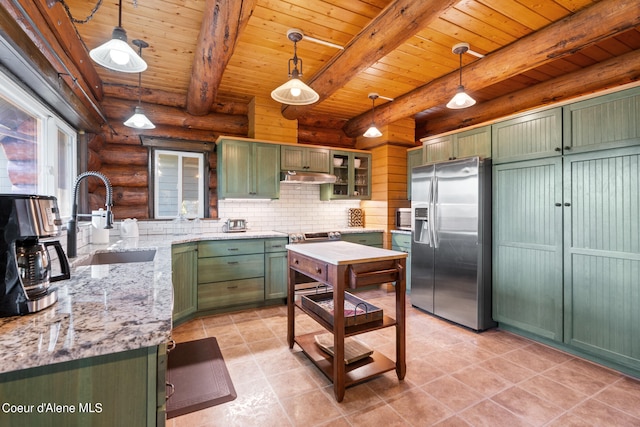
345	265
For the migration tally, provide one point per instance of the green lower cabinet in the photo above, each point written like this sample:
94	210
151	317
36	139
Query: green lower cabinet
120	389
602	254
402	242
184	264
230	293
276	269
527	246
368	238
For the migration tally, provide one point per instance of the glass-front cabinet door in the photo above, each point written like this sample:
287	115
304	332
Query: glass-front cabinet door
353	176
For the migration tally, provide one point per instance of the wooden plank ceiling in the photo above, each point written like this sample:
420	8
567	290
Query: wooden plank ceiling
415	65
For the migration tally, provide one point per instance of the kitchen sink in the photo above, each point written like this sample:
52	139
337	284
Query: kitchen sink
100	258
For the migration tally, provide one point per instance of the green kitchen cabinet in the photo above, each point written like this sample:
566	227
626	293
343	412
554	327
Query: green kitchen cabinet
275	269
353	172
527	137
474	142
439	149
527	246
374	238
605	122
415	157
248	169
119	389
602	254
307	159
402	242
184	266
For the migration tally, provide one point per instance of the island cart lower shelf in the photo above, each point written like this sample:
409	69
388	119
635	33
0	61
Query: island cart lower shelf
355	372
344	265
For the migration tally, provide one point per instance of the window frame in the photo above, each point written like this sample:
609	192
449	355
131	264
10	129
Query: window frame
203	170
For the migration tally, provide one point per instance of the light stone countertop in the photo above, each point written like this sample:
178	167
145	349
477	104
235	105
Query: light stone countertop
103	309
339	252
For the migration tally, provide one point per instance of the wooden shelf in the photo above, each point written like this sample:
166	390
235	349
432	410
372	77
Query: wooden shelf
355	372
386	322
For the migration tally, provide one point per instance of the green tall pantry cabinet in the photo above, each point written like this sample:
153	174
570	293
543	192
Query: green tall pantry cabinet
567	227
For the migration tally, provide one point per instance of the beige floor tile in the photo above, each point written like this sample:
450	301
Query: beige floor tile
506	369
453	393
311	408
600	414
481	380
534	409
490	414
419	408
553	391
379	415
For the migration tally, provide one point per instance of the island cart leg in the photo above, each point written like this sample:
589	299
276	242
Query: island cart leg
291	304
401	366
339	367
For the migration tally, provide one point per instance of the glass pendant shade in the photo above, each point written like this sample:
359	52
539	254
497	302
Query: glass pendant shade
372	132
117	55
460	100
139	120
295	92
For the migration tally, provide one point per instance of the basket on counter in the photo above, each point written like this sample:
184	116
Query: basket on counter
356	217
356	311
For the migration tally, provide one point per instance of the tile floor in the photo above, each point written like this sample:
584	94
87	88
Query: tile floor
455	377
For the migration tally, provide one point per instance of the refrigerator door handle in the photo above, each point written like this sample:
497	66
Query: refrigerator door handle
434	213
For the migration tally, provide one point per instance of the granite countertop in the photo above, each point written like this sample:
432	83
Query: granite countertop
339	252
103	309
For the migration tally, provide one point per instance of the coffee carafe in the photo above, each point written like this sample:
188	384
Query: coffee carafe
25	263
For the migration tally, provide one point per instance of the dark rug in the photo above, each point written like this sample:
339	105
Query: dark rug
199	376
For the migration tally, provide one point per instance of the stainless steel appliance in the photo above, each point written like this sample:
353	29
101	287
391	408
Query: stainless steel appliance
25	264
235	226
451	245
305	285
403	219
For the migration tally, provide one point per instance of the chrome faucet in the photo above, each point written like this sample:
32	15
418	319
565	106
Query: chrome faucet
72	229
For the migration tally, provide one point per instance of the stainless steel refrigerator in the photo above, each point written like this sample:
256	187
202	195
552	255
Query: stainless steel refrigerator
451	245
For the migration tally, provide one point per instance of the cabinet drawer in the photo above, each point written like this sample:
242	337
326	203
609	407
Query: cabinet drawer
308	266
275	245
230	268
230	247
401	241
369	239
234	292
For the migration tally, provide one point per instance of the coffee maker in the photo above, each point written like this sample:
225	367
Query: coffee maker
25	264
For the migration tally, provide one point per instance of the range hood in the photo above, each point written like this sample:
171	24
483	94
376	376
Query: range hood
295	177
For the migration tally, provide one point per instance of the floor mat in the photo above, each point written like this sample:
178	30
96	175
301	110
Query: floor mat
199	376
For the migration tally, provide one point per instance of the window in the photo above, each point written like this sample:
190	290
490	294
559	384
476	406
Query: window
37	149
179	185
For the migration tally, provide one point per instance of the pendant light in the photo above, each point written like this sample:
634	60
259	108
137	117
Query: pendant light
116	54
139	120
294	91
460	99
373	131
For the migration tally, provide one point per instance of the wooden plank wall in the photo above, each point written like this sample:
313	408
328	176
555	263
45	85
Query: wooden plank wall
266	123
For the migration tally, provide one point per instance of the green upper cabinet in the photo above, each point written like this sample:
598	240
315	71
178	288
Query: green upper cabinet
608	121
474	142
439	149
531	136
307	159
415	157
353	173
248	169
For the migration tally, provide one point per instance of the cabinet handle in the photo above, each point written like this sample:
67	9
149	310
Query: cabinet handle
567	148
295	261
558	204
232	262
171	391
567	204
232	287
319	270
558	149
233	249
277	246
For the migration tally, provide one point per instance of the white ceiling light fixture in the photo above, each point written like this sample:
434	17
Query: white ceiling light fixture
373	131
295	91
139	120
116	54
460	99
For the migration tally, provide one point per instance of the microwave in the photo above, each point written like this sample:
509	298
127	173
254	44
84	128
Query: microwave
403	219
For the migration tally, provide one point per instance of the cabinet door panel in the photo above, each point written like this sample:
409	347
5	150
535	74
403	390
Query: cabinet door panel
602	253
267	176
439	149
476	142
318	160
237	169
276	275
527	246
184	263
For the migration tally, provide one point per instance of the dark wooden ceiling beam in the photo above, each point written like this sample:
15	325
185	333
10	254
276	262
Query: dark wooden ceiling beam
614	72
563	38
222	24
399	21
